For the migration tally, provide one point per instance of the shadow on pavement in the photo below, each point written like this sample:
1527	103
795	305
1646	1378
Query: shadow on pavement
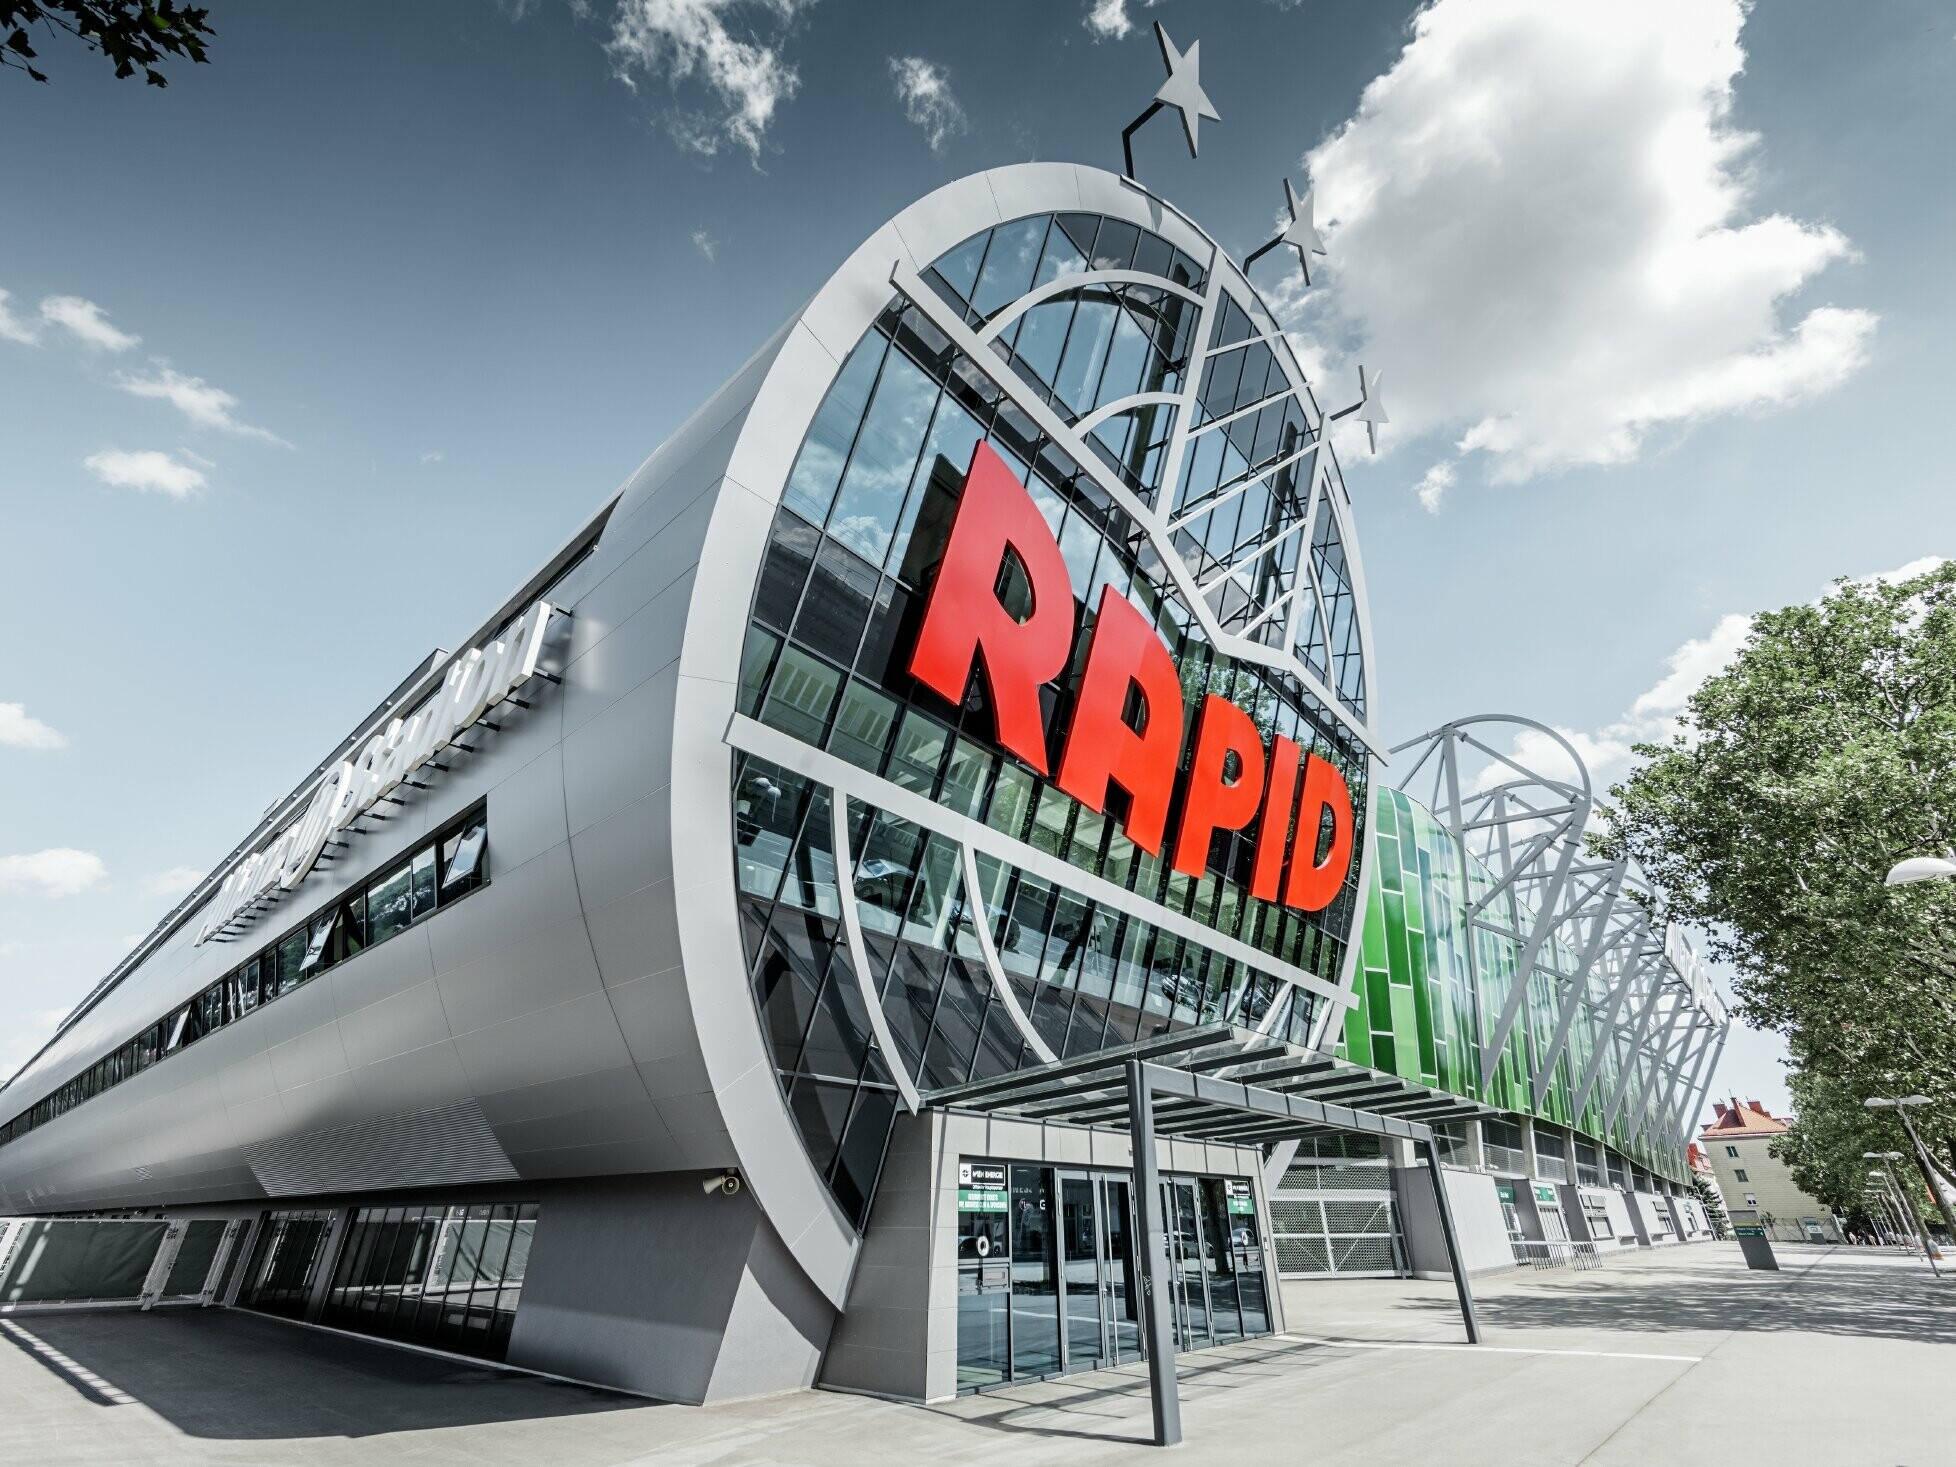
1828	1295
227	1374
1113	1405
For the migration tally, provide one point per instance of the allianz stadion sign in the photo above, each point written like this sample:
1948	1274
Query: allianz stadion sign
476	681
1234	781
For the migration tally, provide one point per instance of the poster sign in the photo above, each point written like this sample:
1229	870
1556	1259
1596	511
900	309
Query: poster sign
988	1175
1544	1192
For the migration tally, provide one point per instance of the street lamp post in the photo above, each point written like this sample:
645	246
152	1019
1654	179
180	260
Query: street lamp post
1908	1203
1877	1205
1901	1106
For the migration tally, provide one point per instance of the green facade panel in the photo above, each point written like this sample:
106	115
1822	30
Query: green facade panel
1422	1004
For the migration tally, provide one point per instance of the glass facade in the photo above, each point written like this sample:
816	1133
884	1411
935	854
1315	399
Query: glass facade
446	1276
440	873
1420	1011
284	1261
863	523
1047	1277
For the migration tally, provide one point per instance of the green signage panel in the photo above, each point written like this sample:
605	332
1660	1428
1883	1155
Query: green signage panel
1242	1204
1544	1192
980	1199
1748	1230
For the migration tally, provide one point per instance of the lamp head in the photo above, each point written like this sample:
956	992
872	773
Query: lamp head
1877	1102
1920	868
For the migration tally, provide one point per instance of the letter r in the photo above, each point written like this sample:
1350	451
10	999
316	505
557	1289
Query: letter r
964	621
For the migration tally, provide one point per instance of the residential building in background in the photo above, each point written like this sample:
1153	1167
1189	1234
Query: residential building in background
1738	1143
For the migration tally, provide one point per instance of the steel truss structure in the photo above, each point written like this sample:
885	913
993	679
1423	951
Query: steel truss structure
1588	930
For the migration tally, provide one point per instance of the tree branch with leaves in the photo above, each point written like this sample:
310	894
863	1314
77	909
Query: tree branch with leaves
133	34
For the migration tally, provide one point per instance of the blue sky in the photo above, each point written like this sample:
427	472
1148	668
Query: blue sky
309	358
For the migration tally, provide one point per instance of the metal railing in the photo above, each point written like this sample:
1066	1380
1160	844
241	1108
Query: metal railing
1554	1253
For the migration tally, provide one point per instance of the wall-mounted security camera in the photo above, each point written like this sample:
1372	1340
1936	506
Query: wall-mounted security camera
727	1184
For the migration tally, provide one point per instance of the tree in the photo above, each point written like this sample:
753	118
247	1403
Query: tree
1713	1204
131	33
1822	755
1831	1132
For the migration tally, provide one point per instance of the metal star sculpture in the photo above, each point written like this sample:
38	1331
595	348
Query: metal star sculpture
1370	407
1182	91
1302	235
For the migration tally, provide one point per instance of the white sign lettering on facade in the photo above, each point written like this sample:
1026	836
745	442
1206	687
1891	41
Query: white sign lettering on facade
475	682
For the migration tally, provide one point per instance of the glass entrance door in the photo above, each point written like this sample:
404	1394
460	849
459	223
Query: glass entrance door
1084	1269
1123	1289
1219	1260
1188	1291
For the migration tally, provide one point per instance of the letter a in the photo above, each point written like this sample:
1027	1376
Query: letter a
1102	747
964	620
1313	883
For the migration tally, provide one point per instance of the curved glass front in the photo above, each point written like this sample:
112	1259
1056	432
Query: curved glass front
1092	327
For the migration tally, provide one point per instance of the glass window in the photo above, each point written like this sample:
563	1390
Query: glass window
422	893
756	658
801	696
388	903
767	811
879	473
322	933
920	747
819	466
1009	265
291	953
862	729
462	866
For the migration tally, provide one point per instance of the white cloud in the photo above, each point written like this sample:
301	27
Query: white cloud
1919	567
206	406
924	88
149	470
13	328
57	872
87	322
1691	666
706	244
19	731
1433	486
1539	225
679	39
1107	20
433	456
174	882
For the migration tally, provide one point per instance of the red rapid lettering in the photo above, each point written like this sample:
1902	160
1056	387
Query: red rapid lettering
1213	803
1101	747
1314	883
1273	826
965	621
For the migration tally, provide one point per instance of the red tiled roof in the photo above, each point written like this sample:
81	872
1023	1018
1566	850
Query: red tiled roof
1749	1119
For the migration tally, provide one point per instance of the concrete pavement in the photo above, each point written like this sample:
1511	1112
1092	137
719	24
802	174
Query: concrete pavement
1678	1355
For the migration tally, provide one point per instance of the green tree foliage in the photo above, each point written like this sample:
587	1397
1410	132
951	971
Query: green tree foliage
1713	1204
1824	1148
1823	755
131	33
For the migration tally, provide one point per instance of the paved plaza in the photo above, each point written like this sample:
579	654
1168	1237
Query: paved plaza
1680	1356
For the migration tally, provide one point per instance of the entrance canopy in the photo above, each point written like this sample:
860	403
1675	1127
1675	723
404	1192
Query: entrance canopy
1219	1083
1225	1084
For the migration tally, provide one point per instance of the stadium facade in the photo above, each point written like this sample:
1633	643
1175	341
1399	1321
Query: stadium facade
715	979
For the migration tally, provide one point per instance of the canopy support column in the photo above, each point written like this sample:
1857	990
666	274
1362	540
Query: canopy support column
1155	1275
1460	1284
